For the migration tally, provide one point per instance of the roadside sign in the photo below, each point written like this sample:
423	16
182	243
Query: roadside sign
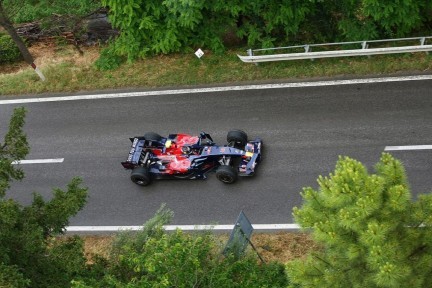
199	53
240	237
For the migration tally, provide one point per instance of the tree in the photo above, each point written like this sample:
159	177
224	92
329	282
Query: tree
14	147
7	25
28	254
372	233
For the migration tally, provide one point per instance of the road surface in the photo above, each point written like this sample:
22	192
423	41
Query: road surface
304	128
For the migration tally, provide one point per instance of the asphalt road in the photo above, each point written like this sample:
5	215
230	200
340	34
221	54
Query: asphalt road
304	131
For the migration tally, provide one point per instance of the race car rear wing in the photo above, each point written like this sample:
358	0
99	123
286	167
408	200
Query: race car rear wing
135	153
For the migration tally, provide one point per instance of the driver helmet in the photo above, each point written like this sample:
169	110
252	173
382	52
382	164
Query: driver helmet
186	149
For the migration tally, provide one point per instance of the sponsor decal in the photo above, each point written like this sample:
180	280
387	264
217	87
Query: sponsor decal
132	151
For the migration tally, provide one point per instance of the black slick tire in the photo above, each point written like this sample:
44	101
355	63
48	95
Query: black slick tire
226	174
141	176
237	138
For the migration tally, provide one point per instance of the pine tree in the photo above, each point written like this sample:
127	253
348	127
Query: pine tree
372	233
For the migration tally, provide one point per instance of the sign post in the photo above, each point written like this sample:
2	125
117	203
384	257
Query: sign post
240	237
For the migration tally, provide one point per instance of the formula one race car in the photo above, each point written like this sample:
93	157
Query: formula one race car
182	156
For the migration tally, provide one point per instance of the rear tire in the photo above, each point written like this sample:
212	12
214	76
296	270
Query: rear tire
226	174
141	176
152	136
237	138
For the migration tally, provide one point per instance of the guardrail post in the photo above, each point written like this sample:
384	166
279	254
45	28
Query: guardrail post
365	45
422	42
250	53
307	50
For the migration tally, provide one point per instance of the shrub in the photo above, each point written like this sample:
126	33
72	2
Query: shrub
9	52
10	276
108	60
152	257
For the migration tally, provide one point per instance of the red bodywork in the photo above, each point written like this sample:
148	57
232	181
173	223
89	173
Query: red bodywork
173	158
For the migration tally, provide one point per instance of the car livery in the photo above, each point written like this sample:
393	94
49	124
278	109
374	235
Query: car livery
183	156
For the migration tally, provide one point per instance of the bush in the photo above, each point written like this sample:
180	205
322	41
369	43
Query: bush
152	257
9	52
108	60
10	276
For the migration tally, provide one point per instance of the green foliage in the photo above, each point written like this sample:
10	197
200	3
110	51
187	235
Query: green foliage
22	11
108	59
370	19
27	231
396	18
14	147
9	52
154	27
154	258
53	216
11	277
28	257
267	23
371	231
67	261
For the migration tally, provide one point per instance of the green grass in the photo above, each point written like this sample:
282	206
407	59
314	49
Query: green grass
185	69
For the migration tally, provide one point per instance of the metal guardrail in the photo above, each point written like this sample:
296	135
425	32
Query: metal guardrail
363	51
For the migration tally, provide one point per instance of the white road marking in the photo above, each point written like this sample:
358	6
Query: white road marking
408	147
218	89
181	227
39	161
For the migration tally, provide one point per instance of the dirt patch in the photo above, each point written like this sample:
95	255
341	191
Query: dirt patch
283	246
13	67
46	53
96	245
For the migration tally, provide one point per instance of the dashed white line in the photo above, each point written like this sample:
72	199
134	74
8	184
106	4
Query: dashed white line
181	227
39	161
408	147
219	89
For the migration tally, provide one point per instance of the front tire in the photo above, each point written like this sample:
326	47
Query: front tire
226	174
237	138
141	176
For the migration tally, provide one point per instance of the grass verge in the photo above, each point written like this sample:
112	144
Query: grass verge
67	71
